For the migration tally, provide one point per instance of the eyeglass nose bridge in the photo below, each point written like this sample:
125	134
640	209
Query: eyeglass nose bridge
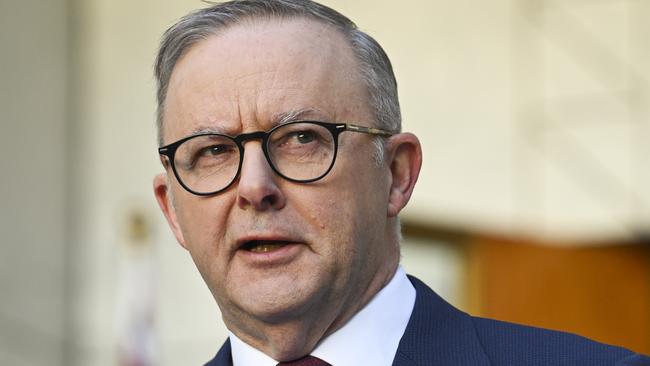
245	137
241	139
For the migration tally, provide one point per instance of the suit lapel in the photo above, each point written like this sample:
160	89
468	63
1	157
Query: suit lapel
223	357
438	334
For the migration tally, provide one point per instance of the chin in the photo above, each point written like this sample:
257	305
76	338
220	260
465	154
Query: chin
279	300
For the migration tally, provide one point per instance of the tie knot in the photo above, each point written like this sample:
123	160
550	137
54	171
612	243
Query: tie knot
305	361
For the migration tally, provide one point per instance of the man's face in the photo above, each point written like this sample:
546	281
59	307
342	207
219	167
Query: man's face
333	232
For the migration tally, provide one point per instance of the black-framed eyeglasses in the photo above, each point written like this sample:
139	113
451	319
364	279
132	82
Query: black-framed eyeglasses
300	151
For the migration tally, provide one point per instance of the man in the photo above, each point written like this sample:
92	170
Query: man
285	174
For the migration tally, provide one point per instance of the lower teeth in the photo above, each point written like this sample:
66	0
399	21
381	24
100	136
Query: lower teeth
265	248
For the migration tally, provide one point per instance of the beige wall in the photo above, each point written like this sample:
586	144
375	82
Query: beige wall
33	250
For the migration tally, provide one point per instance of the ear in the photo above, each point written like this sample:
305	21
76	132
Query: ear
163	196
405	159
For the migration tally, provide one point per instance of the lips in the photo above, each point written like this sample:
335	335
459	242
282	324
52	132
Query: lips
264	246
268	251
265	242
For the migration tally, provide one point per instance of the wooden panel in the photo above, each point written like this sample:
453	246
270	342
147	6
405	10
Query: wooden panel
600	292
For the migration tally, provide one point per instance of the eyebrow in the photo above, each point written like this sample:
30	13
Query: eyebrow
208	129
277	119
295	115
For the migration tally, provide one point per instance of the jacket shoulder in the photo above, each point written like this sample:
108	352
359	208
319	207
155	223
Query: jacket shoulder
513	344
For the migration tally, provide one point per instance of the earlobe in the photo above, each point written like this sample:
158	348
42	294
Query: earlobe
405	154
163	196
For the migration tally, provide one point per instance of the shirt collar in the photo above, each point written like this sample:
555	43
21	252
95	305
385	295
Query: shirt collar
370	337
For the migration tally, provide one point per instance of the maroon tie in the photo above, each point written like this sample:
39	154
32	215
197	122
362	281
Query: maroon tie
305	361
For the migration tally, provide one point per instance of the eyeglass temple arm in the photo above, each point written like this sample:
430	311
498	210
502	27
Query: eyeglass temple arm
369	130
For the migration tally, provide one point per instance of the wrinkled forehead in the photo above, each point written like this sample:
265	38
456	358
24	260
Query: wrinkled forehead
242	77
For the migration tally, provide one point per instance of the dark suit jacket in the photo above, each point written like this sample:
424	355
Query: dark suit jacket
440	335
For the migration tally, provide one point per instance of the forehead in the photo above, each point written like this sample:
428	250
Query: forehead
241	78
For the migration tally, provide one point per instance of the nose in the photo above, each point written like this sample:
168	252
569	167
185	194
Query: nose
257	186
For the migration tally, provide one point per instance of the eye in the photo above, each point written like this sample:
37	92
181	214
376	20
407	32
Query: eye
214	150
299	136
304	137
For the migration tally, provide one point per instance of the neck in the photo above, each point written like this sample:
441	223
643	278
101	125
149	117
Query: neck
293	338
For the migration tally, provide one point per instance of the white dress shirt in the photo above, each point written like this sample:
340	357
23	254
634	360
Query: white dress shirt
370	337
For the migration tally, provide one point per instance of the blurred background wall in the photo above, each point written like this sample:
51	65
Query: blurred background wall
34	294
533	204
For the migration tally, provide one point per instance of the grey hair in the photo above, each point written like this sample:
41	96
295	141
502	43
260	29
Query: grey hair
374	66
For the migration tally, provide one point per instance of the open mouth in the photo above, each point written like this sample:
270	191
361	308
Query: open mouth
264	246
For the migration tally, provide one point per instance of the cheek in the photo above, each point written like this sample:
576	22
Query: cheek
327	215
203	222
353	194
205	230
336	218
